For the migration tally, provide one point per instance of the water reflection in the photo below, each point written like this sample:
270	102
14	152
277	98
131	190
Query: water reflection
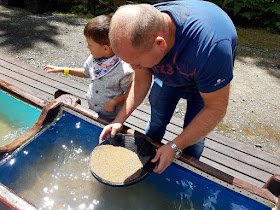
10	130
16	117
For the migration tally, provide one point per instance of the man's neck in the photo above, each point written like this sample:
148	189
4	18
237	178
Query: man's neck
170	34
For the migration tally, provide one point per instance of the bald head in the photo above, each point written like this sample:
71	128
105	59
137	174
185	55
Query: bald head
139	24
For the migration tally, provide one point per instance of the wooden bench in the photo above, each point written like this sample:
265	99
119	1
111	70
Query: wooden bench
232	157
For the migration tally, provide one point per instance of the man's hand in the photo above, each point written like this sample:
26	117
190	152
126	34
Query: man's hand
165	155
110	131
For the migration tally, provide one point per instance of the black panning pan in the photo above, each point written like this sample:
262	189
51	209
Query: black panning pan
142	147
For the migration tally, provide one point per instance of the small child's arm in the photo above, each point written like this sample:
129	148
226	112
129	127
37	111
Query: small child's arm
79	72
111	104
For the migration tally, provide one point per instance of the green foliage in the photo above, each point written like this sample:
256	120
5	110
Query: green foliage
256	13
85	7
73	6
102	7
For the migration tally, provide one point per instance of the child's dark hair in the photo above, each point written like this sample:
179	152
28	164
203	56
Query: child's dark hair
98	29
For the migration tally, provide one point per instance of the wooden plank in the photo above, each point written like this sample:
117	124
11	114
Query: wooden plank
236	165
232	172
140	113
40	94
14	64
23	79
40	81
273	159
136	123
145	116
242	157
140	126
40	90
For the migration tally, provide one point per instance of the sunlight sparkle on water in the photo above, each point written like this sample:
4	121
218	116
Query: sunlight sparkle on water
48	202
12	161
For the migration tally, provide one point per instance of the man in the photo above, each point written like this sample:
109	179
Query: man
189	46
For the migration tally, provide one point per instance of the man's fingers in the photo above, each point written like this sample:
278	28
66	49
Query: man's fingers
161	166
164	157
158	167
110	131
156	158
113	133
104	133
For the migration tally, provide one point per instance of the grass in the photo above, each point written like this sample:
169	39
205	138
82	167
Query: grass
258	43
258	38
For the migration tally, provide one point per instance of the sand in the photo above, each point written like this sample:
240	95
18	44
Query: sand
114	164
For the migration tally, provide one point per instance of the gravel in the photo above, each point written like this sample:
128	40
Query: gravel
253	115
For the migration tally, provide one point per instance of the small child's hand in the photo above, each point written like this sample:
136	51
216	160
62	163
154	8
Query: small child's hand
53	69
110	105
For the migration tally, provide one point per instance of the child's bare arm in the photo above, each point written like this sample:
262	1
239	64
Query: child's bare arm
79	72
111	104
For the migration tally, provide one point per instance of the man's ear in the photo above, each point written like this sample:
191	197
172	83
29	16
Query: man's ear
160	42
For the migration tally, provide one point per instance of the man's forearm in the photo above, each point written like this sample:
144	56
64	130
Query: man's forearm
201	125
136	94
207	119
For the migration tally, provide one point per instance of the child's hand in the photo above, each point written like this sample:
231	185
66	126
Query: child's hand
53	69
110	105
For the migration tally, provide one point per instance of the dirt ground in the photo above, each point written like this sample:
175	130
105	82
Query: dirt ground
253	115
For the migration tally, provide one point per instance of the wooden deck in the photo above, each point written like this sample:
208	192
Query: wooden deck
229	156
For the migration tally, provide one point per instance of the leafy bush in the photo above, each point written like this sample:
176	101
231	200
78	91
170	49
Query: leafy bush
257	13
74	6
94	7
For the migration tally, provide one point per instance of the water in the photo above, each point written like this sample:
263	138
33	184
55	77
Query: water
16	117
52	172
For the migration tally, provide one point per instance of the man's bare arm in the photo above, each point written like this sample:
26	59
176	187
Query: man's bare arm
207	119
136	94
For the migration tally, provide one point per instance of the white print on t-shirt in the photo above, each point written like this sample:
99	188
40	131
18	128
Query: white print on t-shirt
219	81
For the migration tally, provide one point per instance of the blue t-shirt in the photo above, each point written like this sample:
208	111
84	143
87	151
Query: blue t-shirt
204	50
